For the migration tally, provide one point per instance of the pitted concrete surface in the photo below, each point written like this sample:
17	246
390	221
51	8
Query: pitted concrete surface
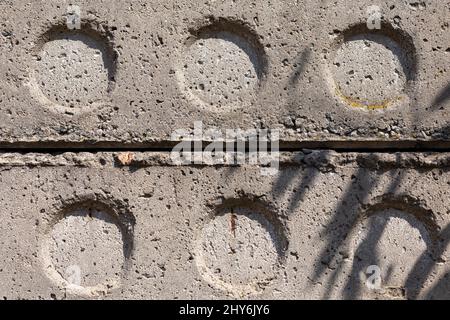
115	223
71	72
318	229
85	249
138	70
221	71
373	78
239	251
387	239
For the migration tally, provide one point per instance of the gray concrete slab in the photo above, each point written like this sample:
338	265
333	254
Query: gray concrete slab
328	225
136	71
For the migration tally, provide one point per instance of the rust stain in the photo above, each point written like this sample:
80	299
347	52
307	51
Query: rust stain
233	219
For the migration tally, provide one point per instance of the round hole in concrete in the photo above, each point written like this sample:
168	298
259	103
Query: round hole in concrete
394	242
87	249
73	70
240	250
223	66
372	69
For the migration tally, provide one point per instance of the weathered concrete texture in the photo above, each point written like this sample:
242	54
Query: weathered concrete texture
138	70
133	225
84	226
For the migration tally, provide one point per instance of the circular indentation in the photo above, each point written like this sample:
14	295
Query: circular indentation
240	250
371	70
72	71
86	249
223	66
393	241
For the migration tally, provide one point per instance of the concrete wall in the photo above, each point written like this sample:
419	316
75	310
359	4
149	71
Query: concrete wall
136	70
93	205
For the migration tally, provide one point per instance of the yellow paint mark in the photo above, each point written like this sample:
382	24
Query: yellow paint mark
361	104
